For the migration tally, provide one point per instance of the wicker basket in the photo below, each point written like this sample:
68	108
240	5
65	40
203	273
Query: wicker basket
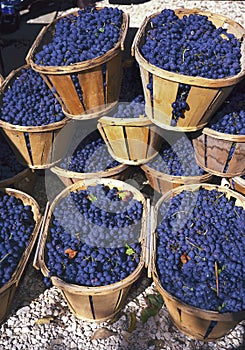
33	146
130	141
163	183
205	96
238	184
213	153
95	304
97	100
7	292
192	321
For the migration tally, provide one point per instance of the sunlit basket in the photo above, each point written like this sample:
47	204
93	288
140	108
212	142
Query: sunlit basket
192	321
33	146
7	292
131	141
95	304
99	96
205	96
213	152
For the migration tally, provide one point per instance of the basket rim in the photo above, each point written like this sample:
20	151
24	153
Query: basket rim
179	179
239	180
17	177
206	314
187	79
74	187
223	136
84	65
76	175
113	121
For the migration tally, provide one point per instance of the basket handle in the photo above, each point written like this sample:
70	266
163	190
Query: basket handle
1	80
35	263
124	34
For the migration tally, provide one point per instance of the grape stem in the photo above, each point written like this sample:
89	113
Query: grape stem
216	277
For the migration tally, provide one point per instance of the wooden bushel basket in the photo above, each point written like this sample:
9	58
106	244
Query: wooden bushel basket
192	321
33	146
238	184
213	153
131	141
163	183
94	304
99	96
205	96
7	292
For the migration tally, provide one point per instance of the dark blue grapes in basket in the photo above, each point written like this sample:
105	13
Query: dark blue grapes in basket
230	118
86	36
99	245
16	227
196	231
190	46
29	102
132	109
90	156
9	166
177	159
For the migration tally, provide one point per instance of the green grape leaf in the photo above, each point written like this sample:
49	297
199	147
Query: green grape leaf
92	197
129	250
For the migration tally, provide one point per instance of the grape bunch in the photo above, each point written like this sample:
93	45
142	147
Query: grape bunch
230	118
86	36
16	226
177	159
133	109
94	236
90	156
9	166
29	102
190	46
200	250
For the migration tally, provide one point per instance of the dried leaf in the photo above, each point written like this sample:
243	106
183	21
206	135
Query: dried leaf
132	322
45	320
102	333
124	195
184	258
71	253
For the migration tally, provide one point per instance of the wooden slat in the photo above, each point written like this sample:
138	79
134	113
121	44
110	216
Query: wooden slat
137	138
91	83
154	142
113	78
41	146
199	149
217	153
145	78
116	141
237	162
78	304
164	94
66	89
198	100
18	144
108	306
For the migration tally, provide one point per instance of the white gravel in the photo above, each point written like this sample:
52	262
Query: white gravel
33	301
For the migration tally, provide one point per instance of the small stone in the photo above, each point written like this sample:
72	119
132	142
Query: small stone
25	330
9	332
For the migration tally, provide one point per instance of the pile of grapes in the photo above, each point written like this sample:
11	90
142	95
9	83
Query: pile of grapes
16	226
200	250
190	46
133	109
9	166
90	156
177	159
83	37
94	236
230	118
29	101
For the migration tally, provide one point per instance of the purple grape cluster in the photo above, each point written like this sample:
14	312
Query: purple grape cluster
29	102
94	236
230	118
16	226
190	46
83	37
177	159
90	156
200	235
9	166
133	109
